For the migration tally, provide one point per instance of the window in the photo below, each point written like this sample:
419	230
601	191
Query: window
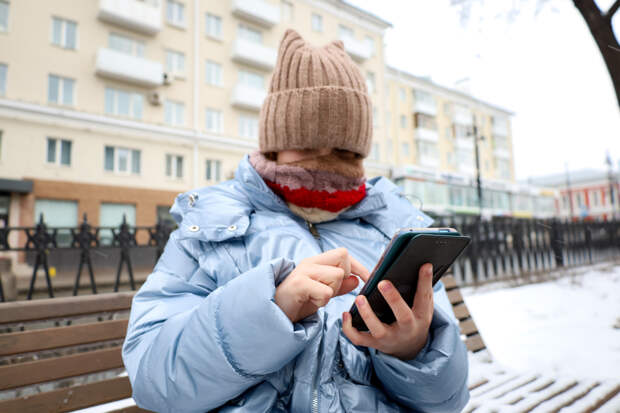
461	131
248	126
175	62
388	120
595	198
370	44
175	13
174	166
214	26
58	214
500	142
214	120
374	152
111	215
213	73
403	121
370	82
317	23
402	94
250	34
251	79
174	113
375	117
405	149
503	169
165	217
122	103
121	160
425	121
465	159
64	33
4	16
58	151
287	11
126	44
3	72
427	150
213	170
389	147
345	32
60	90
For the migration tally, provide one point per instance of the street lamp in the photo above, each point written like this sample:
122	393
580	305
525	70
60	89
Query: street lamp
474	134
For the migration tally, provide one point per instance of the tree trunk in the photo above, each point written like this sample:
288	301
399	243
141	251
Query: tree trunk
600	27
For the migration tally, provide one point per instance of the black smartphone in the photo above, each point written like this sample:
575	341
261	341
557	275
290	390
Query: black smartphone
400	263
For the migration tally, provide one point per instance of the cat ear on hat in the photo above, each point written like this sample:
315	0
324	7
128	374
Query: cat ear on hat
338	43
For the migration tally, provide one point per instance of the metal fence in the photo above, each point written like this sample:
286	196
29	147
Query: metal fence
501	247
40	240
505	247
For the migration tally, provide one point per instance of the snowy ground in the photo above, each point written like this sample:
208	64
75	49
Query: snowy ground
569	326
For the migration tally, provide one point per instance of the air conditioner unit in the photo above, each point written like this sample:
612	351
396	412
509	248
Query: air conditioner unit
168	78
155	98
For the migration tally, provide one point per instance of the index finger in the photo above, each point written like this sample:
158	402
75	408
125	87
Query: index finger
423	300
358	269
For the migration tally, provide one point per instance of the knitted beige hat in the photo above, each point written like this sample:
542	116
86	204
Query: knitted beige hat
317	99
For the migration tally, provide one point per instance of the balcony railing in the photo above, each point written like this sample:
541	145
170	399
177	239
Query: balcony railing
502	153
464	143
428	135
254	54
257	11
247	97
121	66
500	127
358	50
131	14
428	161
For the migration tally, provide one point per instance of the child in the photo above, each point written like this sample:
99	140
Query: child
247	309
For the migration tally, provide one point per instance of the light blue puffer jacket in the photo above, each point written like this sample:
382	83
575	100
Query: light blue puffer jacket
205	331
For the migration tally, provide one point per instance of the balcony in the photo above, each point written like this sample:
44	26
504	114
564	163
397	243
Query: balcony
428	108
500	126
428	161
131	14
257	11
428	135
128	68
462	116
501	153
464	143
254	54
247	97
358	50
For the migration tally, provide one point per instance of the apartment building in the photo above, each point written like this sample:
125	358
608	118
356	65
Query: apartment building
111	108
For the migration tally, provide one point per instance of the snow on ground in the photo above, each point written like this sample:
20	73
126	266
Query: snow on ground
569	326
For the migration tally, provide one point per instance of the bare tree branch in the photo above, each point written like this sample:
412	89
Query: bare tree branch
612	10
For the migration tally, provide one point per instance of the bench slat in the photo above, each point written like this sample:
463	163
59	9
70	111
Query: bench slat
475	343
71	398
23	374
49	338
449	282
19	311
455	296
461	311
468	327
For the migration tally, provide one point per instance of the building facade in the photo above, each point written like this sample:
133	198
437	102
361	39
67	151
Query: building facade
586	194
111	108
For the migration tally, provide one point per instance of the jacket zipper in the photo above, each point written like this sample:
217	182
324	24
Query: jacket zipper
315	391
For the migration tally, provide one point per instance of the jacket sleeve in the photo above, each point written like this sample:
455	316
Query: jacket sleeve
436	380
192	347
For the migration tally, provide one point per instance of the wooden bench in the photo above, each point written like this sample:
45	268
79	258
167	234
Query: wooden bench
63	354
494	388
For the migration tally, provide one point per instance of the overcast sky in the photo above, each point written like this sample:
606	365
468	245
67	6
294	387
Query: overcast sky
544	67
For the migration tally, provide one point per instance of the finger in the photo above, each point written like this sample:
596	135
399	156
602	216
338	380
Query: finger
423	301
354	335
332	257
401	310
318	293
348	284
326	274
375	326
358	269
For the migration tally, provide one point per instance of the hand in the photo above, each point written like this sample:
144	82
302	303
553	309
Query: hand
316	280
408	334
